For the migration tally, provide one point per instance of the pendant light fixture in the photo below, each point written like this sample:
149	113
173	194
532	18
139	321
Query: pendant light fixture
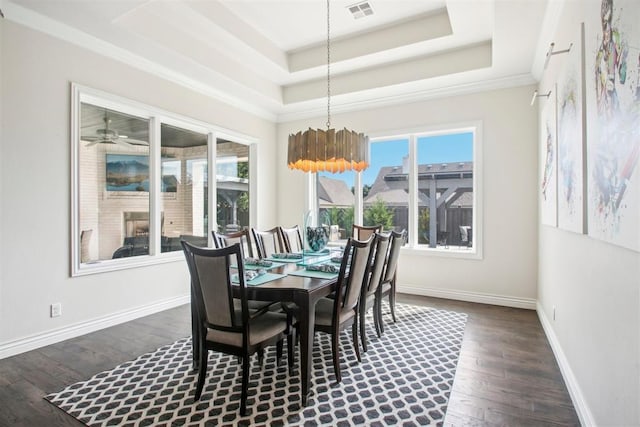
317	150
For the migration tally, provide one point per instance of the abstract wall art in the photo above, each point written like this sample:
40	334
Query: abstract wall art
570	140
612	63
548	162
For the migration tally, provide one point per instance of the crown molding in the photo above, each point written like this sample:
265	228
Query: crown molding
38	22
373	101
401	93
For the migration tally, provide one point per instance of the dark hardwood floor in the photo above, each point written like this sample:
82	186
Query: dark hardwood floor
506	376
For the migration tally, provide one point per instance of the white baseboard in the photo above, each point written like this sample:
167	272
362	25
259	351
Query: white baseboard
528	303
32	342
579	403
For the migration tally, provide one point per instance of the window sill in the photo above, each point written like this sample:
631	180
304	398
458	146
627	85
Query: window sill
107	265
451	252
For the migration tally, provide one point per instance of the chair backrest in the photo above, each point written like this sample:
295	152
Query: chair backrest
381	255
363	232
268	242
212	288
397	241
291	238
354	273
222	240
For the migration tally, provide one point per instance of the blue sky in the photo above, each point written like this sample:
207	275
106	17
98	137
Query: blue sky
431	149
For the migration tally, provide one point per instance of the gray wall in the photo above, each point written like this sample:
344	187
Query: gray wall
507	274
36	72
594	287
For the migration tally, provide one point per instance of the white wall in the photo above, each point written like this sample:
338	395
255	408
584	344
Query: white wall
36	72
595	289
507	274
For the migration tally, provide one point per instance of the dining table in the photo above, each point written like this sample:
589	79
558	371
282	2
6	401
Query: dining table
292	285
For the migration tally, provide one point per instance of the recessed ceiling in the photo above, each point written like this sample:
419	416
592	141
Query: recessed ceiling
269	57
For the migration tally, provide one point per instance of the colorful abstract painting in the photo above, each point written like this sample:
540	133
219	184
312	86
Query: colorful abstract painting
613	121
570	140
548	162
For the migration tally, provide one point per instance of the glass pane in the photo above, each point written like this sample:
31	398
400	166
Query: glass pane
232	185
113	157
385	186
336	203
184	190
445	183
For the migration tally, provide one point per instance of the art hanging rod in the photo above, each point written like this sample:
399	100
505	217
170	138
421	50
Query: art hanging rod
537	95
551	52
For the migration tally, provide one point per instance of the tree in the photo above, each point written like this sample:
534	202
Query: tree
379	214
347	220
243	200
365	190
423	225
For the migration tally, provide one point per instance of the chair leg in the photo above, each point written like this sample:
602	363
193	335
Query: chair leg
279	352
363	334
245	385
354	334
376	316
335	340
204	356
380	315
291	342
392	299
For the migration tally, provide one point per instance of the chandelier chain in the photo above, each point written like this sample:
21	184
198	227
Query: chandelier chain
328	68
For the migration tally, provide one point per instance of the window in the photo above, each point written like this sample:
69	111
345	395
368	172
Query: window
183	187
232	185
385	185
426	182
336	202
141	182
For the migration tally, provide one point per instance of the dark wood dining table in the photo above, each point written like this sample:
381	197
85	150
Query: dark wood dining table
304	292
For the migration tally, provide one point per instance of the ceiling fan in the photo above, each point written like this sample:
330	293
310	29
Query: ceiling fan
111	136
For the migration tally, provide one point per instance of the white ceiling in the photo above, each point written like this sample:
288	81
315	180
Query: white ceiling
269	57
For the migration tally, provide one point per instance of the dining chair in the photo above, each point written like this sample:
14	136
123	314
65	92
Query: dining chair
292	239
388	282
334	315
225	323
363	232
222	240
268	242
370	288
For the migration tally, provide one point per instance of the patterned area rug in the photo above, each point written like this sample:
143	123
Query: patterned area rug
404	378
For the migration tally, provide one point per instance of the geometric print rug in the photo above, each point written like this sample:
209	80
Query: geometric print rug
405	378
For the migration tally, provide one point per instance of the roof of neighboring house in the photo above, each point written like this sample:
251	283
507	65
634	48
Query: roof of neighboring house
393	195
334	192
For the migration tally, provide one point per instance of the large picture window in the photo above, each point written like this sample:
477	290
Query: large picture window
144	179
426	182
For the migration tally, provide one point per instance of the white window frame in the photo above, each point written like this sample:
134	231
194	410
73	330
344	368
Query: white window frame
412	135
82	94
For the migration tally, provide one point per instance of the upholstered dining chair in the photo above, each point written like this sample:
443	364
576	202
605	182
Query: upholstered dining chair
225	323
292	239
334	315
268	242
363	232
370	288
243	238
388	281
222	240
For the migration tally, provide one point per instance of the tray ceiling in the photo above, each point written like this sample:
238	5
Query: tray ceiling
269	57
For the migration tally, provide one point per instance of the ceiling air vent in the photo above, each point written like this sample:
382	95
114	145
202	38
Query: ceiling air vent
360	10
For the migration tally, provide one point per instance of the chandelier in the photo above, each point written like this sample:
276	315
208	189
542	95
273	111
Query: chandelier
317	150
